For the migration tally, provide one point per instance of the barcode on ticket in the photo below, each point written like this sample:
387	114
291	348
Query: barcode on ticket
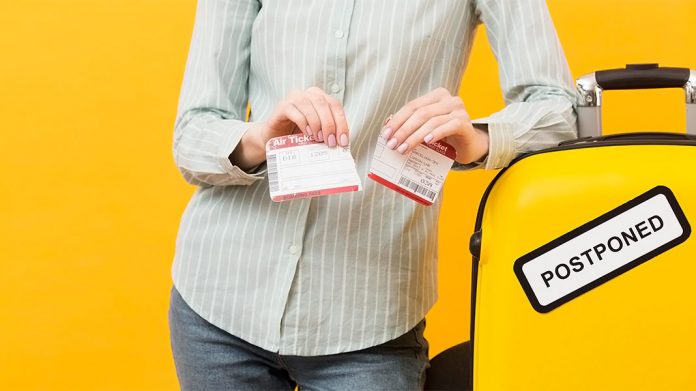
272	163
413	186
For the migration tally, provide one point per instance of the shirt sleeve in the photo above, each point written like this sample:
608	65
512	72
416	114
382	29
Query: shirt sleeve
537	84
211	114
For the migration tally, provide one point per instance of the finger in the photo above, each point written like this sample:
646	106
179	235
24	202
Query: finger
305	106
455	126
293	114
421	133
449	128
417	120
328	127
469	143
340	120
409	108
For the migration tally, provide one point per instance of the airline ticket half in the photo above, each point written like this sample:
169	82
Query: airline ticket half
418	175
300	167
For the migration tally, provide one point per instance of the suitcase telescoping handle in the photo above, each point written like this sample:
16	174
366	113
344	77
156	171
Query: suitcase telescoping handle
634	76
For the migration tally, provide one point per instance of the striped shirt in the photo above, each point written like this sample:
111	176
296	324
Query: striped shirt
344	272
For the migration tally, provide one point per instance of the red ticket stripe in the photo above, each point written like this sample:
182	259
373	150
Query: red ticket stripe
398	189
315	193
443	148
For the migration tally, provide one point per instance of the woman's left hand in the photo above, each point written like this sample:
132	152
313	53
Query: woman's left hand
435	116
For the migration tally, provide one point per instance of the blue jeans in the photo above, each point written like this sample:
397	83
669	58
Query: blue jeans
209	358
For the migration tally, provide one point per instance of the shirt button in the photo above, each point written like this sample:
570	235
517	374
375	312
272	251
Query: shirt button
338	34
293	249
335	88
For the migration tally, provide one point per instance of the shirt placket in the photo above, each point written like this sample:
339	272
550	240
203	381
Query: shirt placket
336	60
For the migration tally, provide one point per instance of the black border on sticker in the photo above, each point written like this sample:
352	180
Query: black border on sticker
592	224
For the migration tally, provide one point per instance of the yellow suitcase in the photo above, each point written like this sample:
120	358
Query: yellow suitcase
584	273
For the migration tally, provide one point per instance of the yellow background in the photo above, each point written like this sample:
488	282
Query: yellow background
90	198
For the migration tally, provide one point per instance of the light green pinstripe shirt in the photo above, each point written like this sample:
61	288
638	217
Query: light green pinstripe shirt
339	273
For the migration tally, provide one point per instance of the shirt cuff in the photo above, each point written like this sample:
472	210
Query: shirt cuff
234	131
501	145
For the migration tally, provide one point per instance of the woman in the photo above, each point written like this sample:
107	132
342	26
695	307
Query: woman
331	292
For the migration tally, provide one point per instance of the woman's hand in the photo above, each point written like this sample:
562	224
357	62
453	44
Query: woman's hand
312	112
436	116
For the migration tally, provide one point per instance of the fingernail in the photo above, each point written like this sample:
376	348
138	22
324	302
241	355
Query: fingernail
309	130
344	140
387	133
320	136
391	144
402	148
428	138
332	140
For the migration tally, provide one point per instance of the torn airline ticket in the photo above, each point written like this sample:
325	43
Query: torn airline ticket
418	175
300	167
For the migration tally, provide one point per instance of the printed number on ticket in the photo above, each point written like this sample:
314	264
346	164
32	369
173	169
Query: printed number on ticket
300	167
418	175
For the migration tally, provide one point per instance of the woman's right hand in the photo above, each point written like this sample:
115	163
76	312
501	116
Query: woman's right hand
311	112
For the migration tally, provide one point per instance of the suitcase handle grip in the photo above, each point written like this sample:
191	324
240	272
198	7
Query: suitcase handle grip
642	76
634	76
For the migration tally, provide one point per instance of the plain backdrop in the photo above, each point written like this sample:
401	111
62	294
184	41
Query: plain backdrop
90	198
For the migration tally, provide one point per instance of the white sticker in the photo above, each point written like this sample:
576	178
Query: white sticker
300	167
418	175
602	249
